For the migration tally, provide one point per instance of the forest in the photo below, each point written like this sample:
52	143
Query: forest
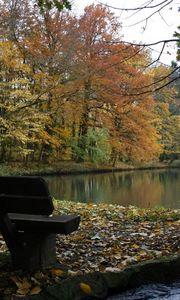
72	90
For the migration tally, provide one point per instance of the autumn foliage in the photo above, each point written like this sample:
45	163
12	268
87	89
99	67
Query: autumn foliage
71	90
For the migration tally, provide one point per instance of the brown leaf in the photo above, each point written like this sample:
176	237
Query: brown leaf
35	290
57	272
23	285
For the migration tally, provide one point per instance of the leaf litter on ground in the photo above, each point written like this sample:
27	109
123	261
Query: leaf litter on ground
112	236
109	238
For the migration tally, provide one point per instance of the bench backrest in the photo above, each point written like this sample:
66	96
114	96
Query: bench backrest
25	194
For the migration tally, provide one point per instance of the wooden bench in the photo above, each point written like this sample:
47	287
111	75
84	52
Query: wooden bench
27	224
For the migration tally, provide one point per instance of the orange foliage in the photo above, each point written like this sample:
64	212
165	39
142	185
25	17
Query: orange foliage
88	78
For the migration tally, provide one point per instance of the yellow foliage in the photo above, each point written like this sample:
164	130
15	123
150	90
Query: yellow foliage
63	132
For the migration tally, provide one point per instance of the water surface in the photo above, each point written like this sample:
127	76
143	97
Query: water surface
143	188
151	292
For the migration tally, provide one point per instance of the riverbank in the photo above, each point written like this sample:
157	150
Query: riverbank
110	239
71	167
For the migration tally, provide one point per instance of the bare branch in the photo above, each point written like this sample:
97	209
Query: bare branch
136	8
163	78
163	19
150	16
158	58
146	44
154	90
136	11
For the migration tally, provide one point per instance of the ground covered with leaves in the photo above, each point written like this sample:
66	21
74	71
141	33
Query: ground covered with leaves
110	238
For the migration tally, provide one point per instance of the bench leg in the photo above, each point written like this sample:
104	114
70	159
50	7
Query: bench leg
36	252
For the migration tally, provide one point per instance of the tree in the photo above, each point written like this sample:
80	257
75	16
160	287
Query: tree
167	120
22	124
107	75
177	34
45	47
92	93
149	9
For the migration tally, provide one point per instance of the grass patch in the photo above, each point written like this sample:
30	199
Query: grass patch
69	167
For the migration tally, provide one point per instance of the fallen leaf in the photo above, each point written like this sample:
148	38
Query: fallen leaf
35	290
75	273
85	288
96	237
38	275
57	272
23	285
134	246
114	270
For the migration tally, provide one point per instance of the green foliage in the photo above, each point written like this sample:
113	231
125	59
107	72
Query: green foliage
175	163
177	34
48	4
97	145
78	150
93	146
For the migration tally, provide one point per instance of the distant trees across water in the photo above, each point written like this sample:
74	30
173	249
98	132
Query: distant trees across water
71	90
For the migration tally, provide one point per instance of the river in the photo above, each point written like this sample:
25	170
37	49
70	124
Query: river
142	188
156	291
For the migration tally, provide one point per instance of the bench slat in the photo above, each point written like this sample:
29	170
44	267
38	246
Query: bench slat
63	224
24	185
25	194
26	204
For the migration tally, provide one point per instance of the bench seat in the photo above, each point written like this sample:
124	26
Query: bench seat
63	224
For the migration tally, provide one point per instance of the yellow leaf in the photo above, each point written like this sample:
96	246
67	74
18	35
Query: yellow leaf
35	290
135	246
85	288
57	272
90	205
78	237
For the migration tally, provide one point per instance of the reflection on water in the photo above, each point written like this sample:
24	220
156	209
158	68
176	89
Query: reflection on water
147	188
151	291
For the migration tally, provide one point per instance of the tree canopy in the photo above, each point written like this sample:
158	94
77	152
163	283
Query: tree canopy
70	90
